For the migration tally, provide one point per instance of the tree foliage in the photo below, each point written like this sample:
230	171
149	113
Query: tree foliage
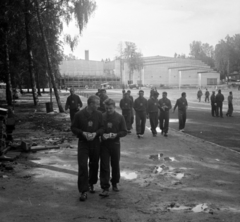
13	37
227	55
203	52
129	53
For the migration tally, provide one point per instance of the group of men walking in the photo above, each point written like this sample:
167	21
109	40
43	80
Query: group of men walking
217	104
156	110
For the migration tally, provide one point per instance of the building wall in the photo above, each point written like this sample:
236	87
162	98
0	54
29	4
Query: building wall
81	68
210	75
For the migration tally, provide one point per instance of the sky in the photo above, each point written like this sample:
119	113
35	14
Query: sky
157	27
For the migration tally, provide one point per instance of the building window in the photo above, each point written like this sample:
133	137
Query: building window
212	81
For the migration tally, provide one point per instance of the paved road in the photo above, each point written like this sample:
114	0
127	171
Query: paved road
222	131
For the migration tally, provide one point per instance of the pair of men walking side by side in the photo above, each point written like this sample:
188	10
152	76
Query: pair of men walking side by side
92	127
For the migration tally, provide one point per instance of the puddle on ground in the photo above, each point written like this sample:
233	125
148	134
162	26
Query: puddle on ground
179	176
197	209
156	157
179	208
159	156
128	175
169	159
200	208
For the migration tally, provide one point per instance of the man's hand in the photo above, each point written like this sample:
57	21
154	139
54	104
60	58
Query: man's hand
106	136
112	135
91	136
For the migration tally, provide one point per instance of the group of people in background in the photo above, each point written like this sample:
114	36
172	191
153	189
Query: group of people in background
157	110
217	102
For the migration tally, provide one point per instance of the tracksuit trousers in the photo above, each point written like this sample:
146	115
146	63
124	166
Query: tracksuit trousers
153	117
88	172
110	156
164	121
140	122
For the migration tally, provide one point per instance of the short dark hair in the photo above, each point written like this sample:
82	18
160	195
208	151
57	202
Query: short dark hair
141	91
109	102
183	94
92	99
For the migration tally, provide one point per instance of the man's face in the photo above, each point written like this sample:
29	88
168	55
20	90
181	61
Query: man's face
94	105
141	94
110	109
164	95
72	91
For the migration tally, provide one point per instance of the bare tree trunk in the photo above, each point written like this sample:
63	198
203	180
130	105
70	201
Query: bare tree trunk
9	95
30	56
49	62
38	86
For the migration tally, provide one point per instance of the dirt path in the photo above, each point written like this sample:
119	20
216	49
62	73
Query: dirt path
179	178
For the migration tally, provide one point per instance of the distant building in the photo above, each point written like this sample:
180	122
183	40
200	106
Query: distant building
173	72
157	71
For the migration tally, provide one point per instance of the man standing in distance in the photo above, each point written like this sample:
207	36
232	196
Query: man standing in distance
213	103
114	129
199	94
182	105
207	96
230	105
164	106
73	103
219	101
132	112
140	107
87	125
103	97
152	110
126	106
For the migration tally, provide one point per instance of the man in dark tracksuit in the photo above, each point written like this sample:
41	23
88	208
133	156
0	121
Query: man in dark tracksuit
73	103
219	101
140	107
230	105
132	113
87	125
199	95
126	105
213	103
152	110
182	105
164	106
207	96
102	97
114	129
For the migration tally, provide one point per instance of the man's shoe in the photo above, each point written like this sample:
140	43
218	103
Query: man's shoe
83	196
91	188
141	135
154	135
115	188
138	135
129	132
183	130
104	193
165	135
